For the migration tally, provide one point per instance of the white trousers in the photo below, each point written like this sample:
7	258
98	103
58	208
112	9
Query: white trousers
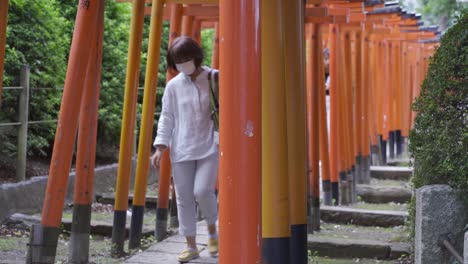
195	181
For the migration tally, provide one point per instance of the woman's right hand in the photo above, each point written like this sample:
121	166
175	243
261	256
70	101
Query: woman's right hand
156	157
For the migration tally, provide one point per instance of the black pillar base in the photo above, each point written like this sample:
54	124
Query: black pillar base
391	143
383	148
79	239
399	143
42	245
276	250
335	193
118	233
160	232
299	244
136	226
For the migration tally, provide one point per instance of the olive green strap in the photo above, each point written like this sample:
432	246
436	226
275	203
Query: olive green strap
213	98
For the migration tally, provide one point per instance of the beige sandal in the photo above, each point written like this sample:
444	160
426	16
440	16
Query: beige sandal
187	255
213	246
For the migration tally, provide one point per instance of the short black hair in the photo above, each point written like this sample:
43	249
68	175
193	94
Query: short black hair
182	50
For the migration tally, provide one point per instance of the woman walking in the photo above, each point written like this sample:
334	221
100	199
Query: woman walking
185	125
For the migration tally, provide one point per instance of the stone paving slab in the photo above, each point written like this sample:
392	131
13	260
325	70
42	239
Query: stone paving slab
383	194
344	215
391	172
167	250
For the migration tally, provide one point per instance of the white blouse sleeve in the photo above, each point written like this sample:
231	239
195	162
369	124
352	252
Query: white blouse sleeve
166	120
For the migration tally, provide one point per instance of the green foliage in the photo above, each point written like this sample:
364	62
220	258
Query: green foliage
440	12
439	141
39	34
207	36
35	36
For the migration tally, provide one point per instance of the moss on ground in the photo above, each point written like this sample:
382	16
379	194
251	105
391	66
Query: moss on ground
384	206
384	234
324	260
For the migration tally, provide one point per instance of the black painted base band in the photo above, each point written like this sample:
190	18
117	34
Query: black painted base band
81	218
326	185
276	250
299	244
160	231
42	245
161	214
391	144
342	175
315	201
136	226
80	230
383	148
118	233
398	142
335	193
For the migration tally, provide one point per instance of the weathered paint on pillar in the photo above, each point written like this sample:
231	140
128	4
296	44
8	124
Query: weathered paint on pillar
240	229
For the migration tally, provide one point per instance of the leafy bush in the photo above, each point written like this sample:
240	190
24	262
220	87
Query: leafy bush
39	34
36	35
439	141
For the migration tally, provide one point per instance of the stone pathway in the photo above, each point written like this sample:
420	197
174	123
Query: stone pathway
167	250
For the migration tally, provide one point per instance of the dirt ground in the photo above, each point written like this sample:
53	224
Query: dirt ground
14	238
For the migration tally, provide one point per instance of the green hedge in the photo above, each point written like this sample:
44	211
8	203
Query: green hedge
439	140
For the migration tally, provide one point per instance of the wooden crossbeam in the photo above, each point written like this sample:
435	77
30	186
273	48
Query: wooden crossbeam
357	17
212	12
209	2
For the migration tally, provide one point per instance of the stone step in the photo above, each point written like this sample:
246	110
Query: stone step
383	194
332	214
391	172
398	162
352	248
151	201
346	215
97	227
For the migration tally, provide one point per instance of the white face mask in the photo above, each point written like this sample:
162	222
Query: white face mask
186	68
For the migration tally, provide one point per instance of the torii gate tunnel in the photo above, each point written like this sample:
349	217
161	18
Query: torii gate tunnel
273	116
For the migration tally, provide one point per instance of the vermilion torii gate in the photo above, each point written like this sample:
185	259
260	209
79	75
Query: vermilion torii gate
273	116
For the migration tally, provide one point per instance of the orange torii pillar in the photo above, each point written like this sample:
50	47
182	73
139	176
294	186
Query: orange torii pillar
407	69
359	66
314	64
294	52
398	102
323	134
387	93
240	168
128	127
147	120
174	31
215	52
165	170
333	39
85	161
342	127
276	231
215	65
3	28
378	96
187	23
196	30
44	236
348	124
395	101
365	143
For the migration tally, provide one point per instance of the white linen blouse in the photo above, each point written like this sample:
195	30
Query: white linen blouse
185	124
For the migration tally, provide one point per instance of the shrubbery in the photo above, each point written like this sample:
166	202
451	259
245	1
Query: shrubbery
39	34
439	141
